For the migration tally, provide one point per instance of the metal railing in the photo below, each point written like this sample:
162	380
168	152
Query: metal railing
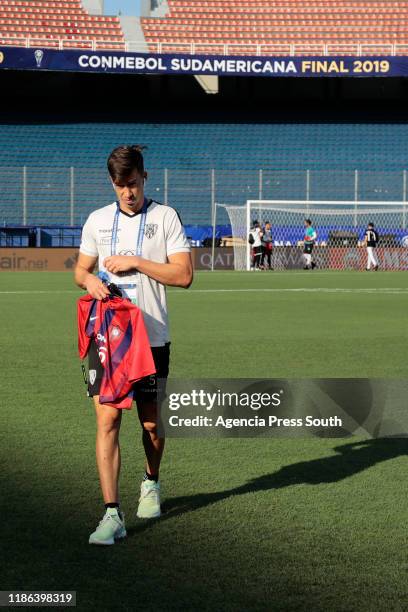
65	196
357	49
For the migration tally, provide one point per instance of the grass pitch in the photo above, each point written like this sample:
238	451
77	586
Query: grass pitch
249	524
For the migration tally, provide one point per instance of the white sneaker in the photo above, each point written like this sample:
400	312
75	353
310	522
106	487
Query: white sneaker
110	528
149	500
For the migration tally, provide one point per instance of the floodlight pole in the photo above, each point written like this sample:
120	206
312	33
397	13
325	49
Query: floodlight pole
166	186
355	196
24	195
248	226
214	227
214	217
72	173
307	190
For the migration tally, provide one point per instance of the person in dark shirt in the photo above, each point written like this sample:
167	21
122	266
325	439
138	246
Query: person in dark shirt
267	246
371	241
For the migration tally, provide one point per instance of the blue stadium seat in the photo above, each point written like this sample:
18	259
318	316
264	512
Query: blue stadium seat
331	152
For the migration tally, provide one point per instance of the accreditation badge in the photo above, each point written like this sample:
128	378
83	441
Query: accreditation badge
130	291
132	294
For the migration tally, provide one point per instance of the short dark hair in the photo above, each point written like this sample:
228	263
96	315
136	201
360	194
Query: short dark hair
124	160
371	224
308	221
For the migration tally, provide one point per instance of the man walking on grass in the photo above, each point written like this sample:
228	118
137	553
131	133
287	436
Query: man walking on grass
142	247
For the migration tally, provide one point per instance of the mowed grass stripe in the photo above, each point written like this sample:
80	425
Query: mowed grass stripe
251	290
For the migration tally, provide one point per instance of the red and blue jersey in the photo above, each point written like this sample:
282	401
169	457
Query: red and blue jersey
117	327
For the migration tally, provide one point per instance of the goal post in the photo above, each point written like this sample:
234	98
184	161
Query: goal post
340	227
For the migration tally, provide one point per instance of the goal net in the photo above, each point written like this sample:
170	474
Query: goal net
340	227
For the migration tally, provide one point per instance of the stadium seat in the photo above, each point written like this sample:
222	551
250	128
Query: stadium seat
52	21
49	151
280	22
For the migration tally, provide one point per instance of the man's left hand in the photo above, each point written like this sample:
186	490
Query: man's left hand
120	263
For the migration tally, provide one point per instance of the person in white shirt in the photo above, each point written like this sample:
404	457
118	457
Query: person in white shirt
255	240
142	247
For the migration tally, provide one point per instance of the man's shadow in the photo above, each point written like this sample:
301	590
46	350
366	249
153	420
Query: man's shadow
350	459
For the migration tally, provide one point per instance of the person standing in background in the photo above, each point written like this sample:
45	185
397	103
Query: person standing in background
371	241
255	241
309	242
267	246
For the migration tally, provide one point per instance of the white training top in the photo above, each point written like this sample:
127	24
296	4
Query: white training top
163	236
256	233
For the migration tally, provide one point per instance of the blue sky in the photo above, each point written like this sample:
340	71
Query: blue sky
127	7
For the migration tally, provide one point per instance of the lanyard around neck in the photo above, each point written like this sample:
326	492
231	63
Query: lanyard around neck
140	236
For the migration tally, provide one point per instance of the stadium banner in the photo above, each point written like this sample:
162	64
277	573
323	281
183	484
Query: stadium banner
339	258
64	259
37	259
389	258
60	259
40	58
223	258
323	408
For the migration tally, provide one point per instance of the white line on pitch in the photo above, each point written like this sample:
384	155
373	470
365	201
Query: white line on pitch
297	290
288	273
37	291
251	290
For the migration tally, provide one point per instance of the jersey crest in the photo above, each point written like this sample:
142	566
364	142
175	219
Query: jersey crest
151	229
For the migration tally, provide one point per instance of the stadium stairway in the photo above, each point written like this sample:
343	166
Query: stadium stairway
132	31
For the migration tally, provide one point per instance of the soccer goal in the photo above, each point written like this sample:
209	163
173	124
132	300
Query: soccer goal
340	227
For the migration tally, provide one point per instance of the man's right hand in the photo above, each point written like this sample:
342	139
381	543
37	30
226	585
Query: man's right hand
96	288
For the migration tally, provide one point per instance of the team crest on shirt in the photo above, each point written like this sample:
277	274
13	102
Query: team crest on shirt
115	332
150	230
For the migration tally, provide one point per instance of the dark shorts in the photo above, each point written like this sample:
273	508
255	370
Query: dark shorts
145	390
308	248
